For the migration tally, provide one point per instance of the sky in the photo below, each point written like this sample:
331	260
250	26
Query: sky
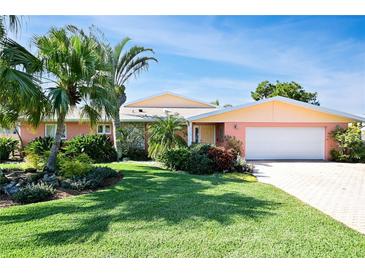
226	57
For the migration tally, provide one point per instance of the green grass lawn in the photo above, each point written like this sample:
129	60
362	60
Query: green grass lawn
157	213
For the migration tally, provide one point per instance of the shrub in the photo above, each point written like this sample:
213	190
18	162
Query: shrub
98	147
350	146
7	146
39	146
37	152
240	165
74	167
199	162
230	142
223	159
93	180
137	154
34	193
101	173
177	158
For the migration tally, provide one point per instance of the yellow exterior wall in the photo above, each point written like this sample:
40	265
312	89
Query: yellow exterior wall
207	133
168	100
274	112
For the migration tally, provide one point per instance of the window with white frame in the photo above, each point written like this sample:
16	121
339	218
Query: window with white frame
50	131
104	129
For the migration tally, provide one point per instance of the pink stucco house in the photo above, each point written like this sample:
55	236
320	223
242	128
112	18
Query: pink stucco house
275	128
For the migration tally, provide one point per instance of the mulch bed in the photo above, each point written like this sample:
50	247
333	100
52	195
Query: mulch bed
61	193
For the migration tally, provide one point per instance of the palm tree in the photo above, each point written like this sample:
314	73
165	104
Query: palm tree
164	134
21	94
78	67
126	64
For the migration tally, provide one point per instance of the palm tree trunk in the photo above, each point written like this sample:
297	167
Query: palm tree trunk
51	164
117	135
117	126
21	150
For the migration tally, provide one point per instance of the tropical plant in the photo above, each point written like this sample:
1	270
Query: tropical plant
350	146
98	147
165	134
126	63
7	146
21	94
78	66
291	90
132	138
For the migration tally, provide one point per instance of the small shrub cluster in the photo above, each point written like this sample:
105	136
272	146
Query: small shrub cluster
223	159
350	146
241	165
204	159
137	154
93	179
37	152
7	146
78	166
176	158
98	147
34	193
231	142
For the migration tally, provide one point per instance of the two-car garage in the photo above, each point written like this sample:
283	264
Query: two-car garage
265	143
278	128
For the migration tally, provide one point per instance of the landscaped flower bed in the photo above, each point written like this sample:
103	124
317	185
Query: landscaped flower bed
30	186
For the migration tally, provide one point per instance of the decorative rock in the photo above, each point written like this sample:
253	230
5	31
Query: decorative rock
11	189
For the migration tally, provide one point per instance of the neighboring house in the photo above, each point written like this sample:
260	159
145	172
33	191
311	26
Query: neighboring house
275	128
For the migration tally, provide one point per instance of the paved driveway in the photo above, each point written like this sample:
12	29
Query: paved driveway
337	189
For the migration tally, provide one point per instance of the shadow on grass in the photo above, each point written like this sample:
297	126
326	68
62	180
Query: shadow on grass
145	194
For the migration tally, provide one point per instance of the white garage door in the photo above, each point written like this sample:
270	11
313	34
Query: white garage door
285	143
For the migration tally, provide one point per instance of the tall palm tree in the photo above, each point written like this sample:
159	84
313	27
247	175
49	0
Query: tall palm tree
126	63
20	91
164	134
77	66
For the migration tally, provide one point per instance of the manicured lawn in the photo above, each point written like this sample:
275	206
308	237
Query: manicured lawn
157	213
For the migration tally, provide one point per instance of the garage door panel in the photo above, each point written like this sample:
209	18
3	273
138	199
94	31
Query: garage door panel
284	143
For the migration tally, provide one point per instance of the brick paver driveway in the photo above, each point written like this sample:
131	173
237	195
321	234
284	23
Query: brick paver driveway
337	189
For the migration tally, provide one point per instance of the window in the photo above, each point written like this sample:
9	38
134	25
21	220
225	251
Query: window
7	131
104	129
50	131
196	135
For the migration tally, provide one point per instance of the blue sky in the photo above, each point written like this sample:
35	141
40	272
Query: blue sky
225	57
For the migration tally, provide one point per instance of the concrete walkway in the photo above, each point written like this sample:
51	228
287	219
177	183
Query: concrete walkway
337	189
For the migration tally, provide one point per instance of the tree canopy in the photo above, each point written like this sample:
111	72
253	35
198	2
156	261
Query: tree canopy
292	90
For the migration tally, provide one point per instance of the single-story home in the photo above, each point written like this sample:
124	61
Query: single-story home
274	128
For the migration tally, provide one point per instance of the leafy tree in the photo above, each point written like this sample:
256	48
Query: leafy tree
78	68
291	90
164	135
350	146
126	63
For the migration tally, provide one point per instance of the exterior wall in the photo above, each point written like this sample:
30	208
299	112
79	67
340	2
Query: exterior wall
238	130
168	100
73	129
275	112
